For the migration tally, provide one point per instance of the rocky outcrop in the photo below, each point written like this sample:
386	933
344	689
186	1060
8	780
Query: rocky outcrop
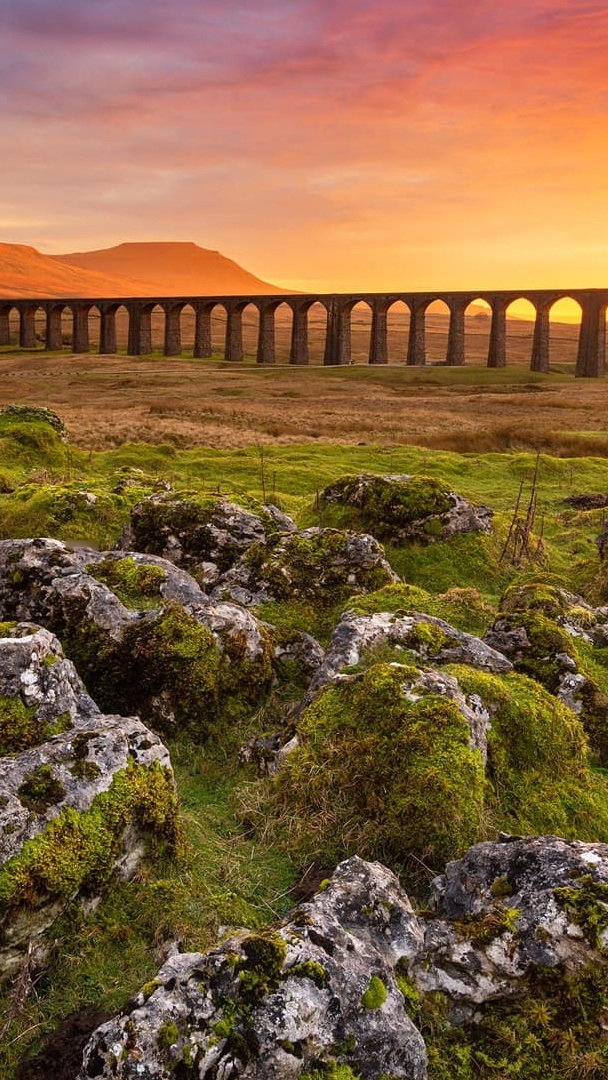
512	925
317	991
321	565
80	792
424	636
539	628
172	656
510	907
401	507
205	534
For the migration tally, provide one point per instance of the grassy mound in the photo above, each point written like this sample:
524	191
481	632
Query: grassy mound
389	774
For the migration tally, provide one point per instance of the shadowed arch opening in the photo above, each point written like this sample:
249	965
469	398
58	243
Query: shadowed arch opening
251	325
564	329
521	318
398	331
283	329
437	326
317	319
94	327
187	323
477	324
360	331
8	325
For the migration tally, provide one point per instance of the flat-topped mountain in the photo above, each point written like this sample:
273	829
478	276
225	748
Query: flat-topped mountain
129	269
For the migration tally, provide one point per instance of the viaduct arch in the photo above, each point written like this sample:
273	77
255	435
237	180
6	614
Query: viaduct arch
591	356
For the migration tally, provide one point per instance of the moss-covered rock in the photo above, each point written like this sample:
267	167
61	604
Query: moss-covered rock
136	585
384	767
74	812
390	763
402	507
19	414
541	629
205	534
324	565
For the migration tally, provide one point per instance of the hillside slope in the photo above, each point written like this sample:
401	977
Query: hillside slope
172	269
147	269
24	271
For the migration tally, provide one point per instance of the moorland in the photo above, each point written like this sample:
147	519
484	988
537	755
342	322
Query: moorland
521	443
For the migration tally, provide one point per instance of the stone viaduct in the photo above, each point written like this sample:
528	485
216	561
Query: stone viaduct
591	345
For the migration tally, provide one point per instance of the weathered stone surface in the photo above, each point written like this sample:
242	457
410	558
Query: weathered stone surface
136	658
51	850
319	989
79	791
323	565
41	581
427	637
176	585
40	691
404	507
204	534
507	906
539	631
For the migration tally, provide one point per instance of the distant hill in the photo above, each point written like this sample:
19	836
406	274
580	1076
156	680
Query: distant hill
146	269
25	272
171	269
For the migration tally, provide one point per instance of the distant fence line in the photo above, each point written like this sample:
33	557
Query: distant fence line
591	355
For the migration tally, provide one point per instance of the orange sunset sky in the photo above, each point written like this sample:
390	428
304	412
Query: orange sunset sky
324	144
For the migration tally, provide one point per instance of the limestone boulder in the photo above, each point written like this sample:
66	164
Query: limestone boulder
539	629
80	792
205	534
425	637
41	692
315	992
172	656
508	908
401	507
320	565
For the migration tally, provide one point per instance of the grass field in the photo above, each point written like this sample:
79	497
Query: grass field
108	400
280	435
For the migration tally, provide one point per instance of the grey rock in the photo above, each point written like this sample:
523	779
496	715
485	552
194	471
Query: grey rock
309	1012
499	910
358	633
34	671
205	538
335	560
361	491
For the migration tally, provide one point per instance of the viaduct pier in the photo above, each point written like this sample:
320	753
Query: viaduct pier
591	356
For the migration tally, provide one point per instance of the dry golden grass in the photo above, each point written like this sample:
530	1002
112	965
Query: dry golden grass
109	400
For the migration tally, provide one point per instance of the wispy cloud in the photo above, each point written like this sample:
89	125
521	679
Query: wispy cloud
342	138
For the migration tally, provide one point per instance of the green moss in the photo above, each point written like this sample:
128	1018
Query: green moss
538	770
7	628
386	507
169	669
380	775
501	886
534	596
586	902
553	1030
480	930
168	1035
20	728
260	971
41	789
136	586
77	851
310	969
375	995
20	414
314	568
331	1071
